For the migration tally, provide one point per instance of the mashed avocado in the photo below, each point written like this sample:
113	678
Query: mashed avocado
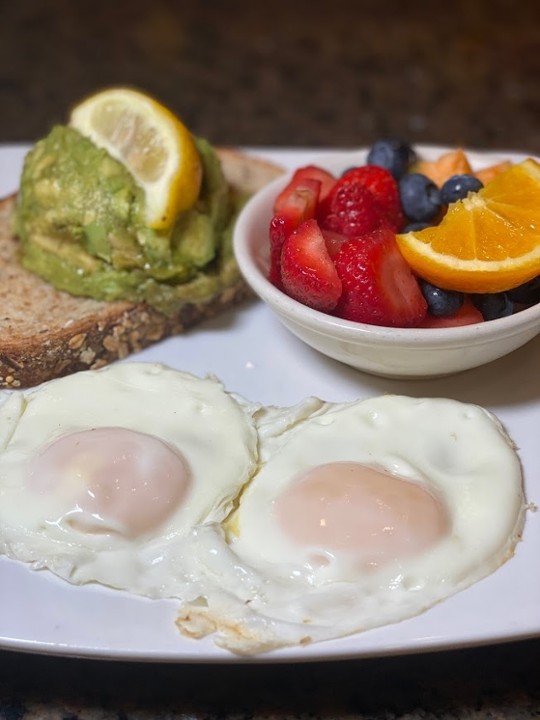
80	218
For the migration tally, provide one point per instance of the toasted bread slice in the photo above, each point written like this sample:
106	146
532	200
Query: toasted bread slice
46	333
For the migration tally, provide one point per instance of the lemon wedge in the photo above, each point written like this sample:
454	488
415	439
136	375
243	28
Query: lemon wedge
151	142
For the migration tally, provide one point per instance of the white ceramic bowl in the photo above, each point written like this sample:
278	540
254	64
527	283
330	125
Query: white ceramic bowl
388	352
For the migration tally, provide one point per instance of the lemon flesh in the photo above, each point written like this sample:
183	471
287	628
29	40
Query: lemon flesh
152	143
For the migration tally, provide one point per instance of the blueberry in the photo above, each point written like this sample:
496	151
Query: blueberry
420	197
415	227
526	294
493	305
458	187
393	154
441	302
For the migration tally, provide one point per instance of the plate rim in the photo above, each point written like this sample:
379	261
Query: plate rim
430	644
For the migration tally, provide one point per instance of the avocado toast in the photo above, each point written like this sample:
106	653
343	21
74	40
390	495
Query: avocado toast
47	332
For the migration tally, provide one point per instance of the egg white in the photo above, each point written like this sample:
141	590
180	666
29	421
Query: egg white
222	553
259	591
212	430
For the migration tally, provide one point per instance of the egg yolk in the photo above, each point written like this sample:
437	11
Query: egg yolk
113	479
352	508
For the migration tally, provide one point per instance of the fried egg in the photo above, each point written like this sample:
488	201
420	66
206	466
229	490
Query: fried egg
104	473
361	514
271	526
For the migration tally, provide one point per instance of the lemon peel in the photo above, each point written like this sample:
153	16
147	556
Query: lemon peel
152	143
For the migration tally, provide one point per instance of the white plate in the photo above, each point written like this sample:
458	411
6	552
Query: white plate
256	356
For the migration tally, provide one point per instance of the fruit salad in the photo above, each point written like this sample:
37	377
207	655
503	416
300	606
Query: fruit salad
403	242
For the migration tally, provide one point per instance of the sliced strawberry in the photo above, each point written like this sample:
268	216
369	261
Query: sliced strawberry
468	314
307	271
333	241
350	209
298	205
384	187
309	172
379	288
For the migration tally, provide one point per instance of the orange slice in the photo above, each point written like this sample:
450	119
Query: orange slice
152	143
453	162
487	174
456	162
487	242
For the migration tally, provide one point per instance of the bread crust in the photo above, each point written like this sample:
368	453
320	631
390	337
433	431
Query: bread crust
46	333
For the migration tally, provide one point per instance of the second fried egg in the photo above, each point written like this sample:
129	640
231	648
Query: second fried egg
360	515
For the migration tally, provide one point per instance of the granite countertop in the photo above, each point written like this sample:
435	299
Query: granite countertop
283	74
491	682
301	73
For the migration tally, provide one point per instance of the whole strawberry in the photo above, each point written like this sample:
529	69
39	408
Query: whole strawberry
385	189
378	286
350	209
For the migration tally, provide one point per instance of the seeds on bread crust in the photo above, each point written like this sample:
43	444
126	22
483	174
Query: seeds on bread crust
46	333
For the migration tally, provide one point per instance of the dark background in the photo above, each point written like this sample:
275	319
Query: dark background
338	73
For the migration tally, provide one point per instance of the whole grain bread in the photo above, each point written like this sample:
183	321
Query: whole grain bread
46	333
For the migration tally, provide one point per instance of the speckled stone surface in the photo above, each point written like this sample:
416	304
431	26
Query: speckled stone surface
286	72
339	73
499	682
